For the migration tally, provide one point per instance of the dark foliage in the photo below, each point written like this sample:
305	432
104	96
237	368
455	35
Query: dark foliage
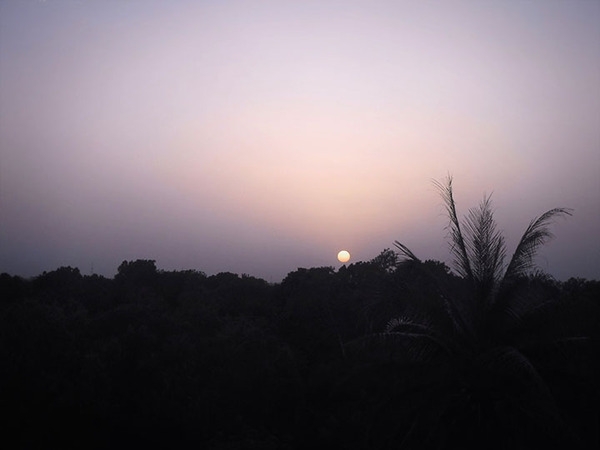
503	358
186	360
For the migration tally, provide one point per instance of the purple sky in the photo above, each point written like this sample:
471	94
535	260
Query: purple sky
261	136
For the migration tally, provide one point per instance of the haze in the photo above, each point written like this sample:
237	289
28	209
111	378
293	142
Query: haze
258	137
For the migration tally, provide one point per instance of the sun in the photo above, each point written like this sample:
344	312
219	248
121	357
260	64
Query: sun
343	256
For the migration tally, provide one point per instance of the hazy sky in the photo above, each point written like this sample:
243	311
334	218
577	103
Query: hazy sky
262	136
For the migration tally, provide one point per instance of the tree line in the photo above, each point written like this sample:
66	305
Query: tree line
395	352
180	358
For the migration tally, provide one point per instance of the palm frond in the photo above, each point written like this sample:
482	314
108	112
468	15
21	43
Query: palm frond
517	369
536	235
485	244
404	336
520	303
458	247
454	314
529	390
404	322
405	252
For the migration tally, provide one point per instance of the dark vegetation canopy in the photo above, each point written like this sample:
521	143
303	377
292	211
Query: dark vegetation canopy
395	352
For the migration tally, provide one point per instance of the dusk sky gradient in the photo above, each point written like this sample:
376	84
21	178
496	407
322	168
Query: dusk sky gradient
262	136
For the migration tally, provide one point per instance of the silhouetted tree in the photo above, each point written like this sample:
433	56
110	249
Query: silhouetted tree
12	287
465	362
140	272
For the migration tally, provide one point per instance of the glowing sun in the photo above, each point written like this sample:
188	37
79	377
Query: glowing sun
343	256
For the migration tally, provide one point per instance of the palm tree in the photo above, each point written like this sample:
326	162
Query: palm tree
479	253
471	362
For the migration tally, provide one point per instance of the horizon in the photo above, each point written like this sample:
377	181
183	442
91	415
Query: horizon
261	138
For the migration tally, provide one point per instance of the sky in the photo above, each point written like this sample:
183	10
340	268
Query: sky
261	136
